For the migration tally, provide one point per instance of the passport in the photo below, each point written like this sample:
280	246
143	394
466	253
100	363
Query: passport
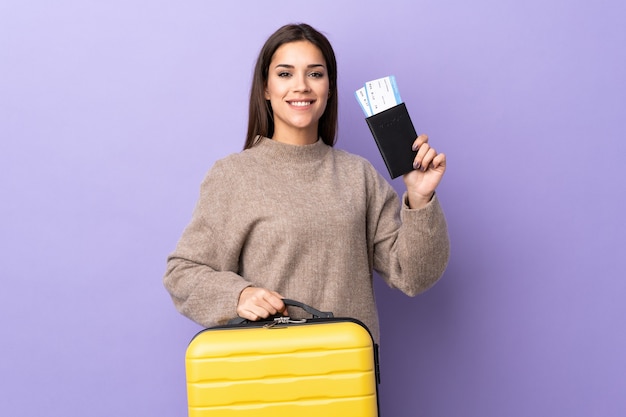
390	123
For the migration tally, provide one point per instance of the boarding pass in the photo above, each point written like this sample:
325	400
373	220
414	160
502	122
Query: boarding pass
378	95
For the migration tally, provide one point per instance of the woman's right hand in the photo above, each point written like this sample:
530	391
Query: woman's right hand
259	303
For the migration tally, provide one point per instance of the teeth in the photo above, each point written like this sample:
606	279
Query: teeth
300	103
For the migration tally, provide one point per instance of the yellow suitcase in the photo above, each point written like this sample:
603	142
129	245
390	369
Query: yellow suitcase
317	367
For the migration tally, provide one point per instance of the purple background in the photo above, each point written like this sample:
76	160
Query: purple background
111	112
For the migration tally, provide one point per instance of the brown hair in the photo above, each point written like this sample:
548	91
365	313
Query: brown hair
260	116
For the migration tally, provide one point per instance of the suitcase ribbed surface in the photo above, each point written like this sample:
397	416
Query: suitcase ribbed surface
316	370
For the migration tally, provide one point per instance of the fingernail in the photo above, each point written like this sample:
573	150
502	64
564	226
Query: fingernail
416	165
415	146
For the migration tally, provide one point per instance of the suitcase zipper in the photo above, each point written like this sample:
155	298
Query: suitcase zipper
283	320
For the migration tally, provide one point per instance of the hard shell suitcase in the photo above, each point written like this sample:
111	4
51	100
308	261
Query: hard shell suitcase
318	367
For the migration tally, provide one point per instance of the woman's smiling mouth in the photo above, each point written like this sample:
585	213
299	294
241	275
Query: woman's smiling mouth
300	103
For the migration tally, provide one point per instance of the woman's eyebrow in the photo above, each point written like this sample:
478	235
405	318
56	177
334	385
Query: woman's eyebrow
291	66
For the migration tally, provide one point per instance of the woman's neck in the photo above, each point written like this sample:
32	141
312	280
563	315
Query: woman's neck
296	136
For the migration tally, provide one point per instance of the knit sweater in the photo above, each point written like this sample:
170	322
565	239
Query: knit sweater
311	222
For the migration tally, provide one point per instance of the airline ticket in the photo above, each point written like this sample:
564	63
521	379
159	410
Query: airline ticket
378	95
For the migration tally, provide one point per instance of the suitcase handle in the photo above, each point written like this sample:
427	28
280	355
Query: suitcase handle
311	310
317	314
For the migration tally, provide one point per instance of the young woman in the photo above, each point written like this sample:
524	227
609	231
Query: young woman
291	216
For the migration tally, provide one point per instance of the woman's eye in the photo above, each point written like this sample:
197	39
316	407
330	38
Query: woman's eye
283	74
316	74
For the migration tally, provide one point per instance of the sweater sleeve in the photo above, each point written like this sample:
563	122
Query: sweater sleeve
411	251
202	273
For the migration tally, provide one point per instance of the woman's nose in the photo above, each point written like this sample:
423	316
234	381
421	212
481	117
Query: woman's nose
301	83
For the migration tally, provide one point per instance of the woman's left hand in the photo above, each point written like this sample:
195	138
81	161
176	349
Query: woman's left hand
424	179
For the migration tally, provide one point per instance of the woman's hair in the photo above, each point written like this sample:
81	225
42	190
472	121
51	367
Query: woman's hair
260	116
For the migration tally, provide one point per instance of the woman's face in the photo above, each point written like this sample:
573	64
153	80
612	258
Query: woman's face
297	88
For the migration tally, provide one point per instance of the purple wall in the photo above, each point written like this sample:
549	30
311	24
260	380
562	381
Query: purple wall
111	113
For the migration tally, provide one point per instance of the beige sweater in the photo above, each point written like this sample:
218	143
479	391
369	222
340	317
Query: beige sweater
310	222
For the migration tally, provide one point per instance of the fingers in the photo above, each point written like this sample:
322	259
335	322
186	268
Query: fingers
259	303
419	141
439	160
426	156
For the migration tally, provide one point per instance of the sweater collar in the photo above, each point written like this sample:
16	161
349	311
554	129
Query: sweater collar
284	152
